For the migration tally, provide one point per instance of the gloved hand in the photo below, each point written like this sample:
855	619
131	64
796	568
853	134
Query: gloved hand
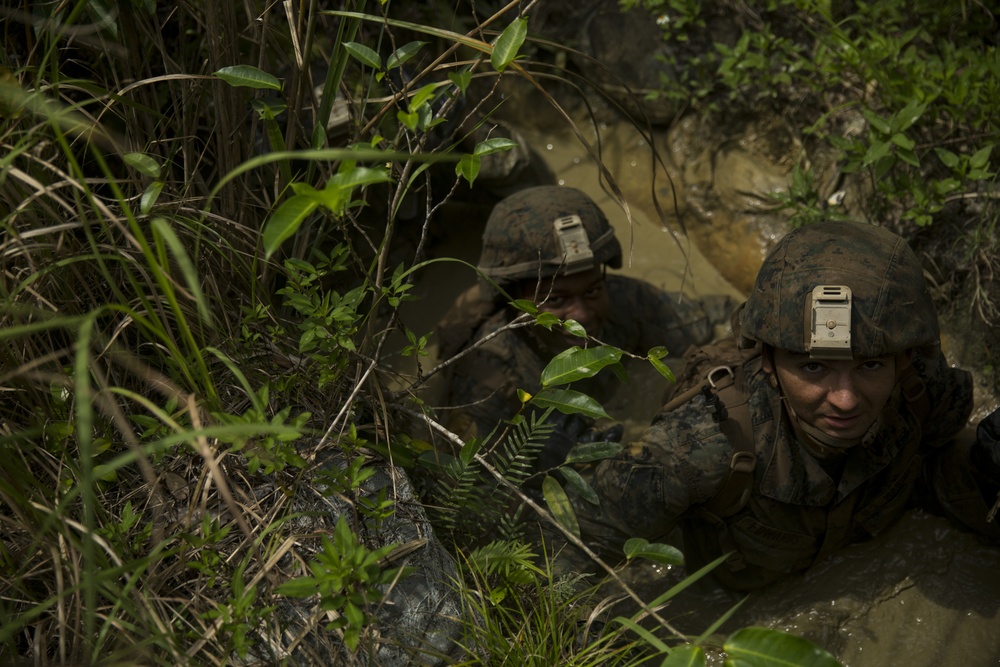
985	451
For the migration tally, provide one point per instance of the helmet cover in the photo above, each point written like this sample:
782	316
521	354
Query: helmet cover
546	230
890	307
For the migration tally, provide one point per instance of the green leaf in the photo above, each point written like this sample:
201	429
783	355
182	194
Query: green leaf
909	115
665	554
949	159
877	121
903	141
981	158
187	267
687	655
149	197
422	96
461	79
578	363
410	120
525	306
143	164
762	647
586	452
507	45
302	587
402	54
268	108
468	167
559	505
876	152
247	76
363	54
575	328
286	221
662	368
496	145
569	402
576	480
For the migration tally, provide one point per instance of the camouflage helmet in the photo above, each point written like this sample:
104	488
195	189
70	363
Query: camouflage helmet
545	230
841	290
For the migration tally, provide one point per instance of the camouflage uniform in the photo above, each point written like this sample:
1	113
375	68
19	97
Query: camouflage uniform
519	245
802	506
485	381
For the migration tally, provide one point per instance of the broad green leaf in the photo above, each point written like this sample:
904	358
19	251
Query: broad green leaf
876	152
409	120
559	505
981	158
508	43
247	76
402	54
468	167
949	159
586	452
687	655
665	554
546	319
149	197
877	121
909	115
569	402
525	306
762	647
576	480
143	164
301	587
363	54
903	141
662	368
461	79
286	221
578	363
496	145
422	96
575	328
268	108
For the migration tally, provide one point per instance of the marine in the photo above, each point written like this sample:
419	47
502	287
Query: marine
552	245
829	411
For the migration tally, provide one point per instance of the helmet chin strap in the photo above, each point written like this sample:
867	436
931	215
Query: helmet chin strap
823	445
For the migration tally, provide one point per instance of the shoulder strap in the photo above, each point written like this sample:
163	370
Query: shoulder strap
727	399
734	397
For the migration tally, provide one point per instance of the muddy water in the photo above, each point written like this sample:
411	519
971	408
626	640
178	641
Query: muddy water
923	594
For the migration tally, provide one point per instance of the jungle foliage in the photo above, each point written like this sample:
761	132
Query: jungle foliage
202	268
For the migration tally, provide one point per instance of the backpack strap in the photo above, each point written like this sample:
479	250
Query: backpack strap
734	398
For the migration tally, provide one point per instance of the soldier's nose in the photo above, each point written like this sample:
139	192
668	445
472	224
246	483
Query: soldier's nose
843	395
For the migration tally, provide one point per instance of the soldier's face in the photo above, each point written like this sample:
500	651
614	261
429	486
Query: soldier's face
841	398
579	297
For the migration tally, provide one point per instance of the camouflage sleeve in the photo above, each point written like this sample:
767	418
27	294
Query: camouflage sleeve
678	462
950	393
643	316
951	485
481	394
